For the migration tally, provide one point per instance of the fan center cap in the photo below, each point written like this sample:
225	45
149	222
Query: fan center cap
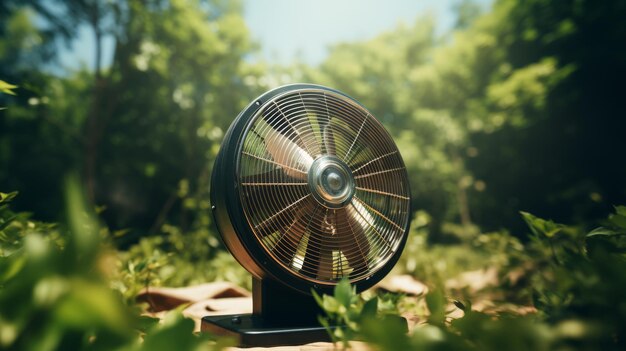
331	182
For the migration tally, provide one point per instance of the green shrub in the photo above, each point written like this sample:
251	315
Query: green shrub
176	259
55	294
576	279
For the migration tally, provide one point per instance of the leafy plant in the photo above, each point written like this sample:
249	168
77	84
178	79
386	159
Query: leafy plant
55	294
176	259
346	311
577	282
175	332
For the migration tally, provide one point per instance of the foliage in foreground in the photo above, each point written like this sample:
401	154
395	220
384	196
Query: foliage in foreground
55	293
577	284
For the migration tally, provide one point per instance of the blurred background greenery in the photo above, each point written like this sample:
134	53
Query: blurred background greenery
512	106
518	106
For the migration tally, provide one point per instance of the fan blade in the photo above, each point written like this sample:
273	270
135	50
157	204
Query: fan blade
304	124
283	219
276	175
353	242
286	247
318	255
329	139
370	165
272	185
292	235
291	157
358	155
361	215
366	220
318	260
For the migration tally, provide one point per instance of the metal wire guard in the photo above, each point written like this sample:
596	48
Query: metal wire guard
308	238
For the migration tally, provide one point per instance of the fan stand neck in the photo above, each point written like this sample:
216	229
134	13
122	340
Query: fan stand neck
278	303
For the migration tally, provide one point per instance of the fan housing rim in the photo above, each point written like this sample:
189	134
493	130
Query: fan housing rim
231	220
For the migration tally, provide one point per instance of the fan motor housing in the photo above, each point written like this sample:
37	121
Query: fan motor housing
330	185
331	182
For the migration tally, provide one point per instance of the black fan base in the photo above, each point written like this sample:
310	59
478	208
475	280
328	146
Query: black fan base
254	330
280	316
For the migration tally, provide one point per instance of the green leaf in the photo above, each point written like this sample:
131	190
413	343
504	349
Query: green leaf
7	197
330	304
5	222
9	268
92	305
175	333
618	220
436	303
120	232
344	292
541	226
620	210
370	308
147	322
602	231
7	88
389	332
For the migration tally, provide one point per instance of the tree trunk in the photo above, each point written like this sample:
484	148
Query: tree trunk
94	125
461	194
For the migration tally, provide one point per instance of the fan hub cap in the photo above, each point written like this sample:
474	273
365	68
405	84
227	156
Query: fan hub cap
331	182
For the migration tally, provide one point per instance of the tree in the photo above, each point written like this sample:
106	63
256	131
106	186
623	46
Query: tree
493	121
146	129
563	85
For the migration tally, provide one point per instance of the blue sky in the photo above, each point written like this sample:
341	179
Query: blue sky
290	29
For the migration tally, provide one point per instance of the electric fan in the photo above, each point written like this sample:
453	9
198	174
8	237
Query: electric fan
308	188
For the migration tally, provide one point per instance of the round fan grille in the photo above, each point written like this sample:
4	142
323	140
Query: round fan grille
322	185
